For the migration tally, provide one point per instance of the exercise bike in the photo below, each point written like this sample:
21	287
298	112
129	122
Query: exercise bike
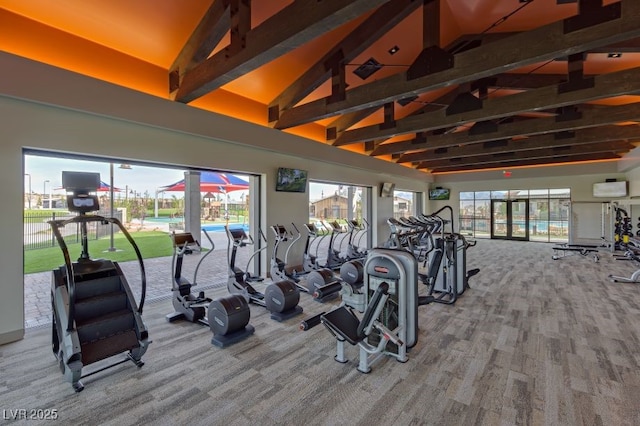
280	298
228	317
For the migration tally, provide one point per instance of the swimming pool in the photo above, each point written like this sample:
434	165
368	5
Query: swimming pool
219	227
209	227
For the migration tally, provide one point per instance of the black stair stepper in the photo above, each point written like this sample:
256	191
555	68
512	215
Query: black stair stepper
105	325
100	305
93	269
109	346
96	287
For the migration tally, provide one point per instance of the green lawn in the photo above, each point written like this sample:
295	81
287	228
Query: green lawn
151	244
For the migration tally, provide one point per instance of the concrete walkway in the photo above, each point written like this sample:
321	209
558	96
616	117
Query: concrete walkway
212	273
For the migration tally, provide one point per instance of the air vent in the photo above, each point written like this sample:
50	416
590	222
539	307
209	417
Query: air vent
367	69
406	101
566	1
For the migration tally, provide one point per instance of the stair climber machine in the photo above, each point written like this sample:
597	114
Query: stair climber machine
280	298
278	266
389	324
95	315
227	317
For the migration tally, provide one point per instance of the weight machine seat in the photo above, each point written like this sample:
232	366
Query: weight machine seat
343	323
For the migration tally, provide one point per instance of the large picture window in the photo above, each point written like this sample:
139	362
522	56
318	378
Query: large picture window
547	219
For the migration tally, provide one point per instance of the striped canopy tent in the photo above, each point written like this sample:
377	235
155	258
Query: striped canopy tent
213	182
105	187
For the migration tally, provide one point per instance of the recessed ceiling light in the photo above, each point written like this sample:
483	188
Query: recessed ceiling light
615	55
365	70
394	50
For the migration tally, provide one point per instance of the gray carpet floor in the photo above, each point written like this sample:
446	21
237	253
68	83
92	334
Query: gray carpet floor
534	341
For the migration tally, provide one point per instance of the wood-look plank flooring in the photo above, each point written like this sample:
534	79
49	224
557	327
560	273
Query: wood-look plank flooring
534	341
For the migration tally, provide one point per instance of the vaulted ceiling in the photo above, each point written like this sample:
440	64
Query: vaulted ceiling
437	85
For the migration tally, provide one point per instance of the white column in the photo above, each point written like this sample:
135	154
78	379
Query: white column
192	203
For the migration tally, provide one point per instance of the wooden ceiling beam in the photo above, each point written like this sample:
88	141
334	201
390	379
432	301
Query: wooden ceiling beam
357	41
515	81
627	46
271	39
580	137
468	41
210	30
532	162
594	148
538	45
605	86
590	116
345	121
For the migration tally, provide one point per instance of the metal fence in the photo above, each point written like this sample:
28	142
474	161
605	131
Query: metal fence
38	234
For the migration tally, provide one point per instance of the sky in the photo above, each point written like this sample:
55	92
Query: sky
46	175
138	178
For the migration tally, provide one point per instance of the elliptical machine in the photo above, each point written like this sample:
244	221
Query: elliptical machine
228	317
186	304
278	266
309	259
280	298
334	257
95	315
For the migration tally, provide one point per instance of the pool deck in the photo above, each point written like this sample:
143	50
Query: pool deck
213	273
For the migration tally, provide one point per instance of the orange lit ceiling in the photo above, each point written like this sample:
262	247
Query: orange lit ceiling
474	84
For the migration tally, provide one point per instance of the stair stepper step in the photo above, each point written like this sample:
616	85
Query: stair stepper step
105	326
101	305
109	346
98	286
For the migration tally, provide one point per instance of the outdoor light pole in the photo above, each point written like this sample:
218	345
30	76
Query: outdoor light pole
111	246
111	197
44	192
29	200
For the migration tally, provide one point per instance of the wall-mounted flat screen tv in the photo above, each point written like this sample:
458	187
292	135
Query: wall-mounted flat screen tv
291	180
386	189
439	194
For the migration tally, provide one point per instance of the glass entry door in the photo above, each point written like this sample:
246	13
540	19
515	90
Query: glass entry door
510	219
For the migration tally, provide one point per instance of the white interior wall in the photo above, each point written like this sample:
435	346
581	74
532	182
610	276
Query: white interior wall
46	108
49	109
581	185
